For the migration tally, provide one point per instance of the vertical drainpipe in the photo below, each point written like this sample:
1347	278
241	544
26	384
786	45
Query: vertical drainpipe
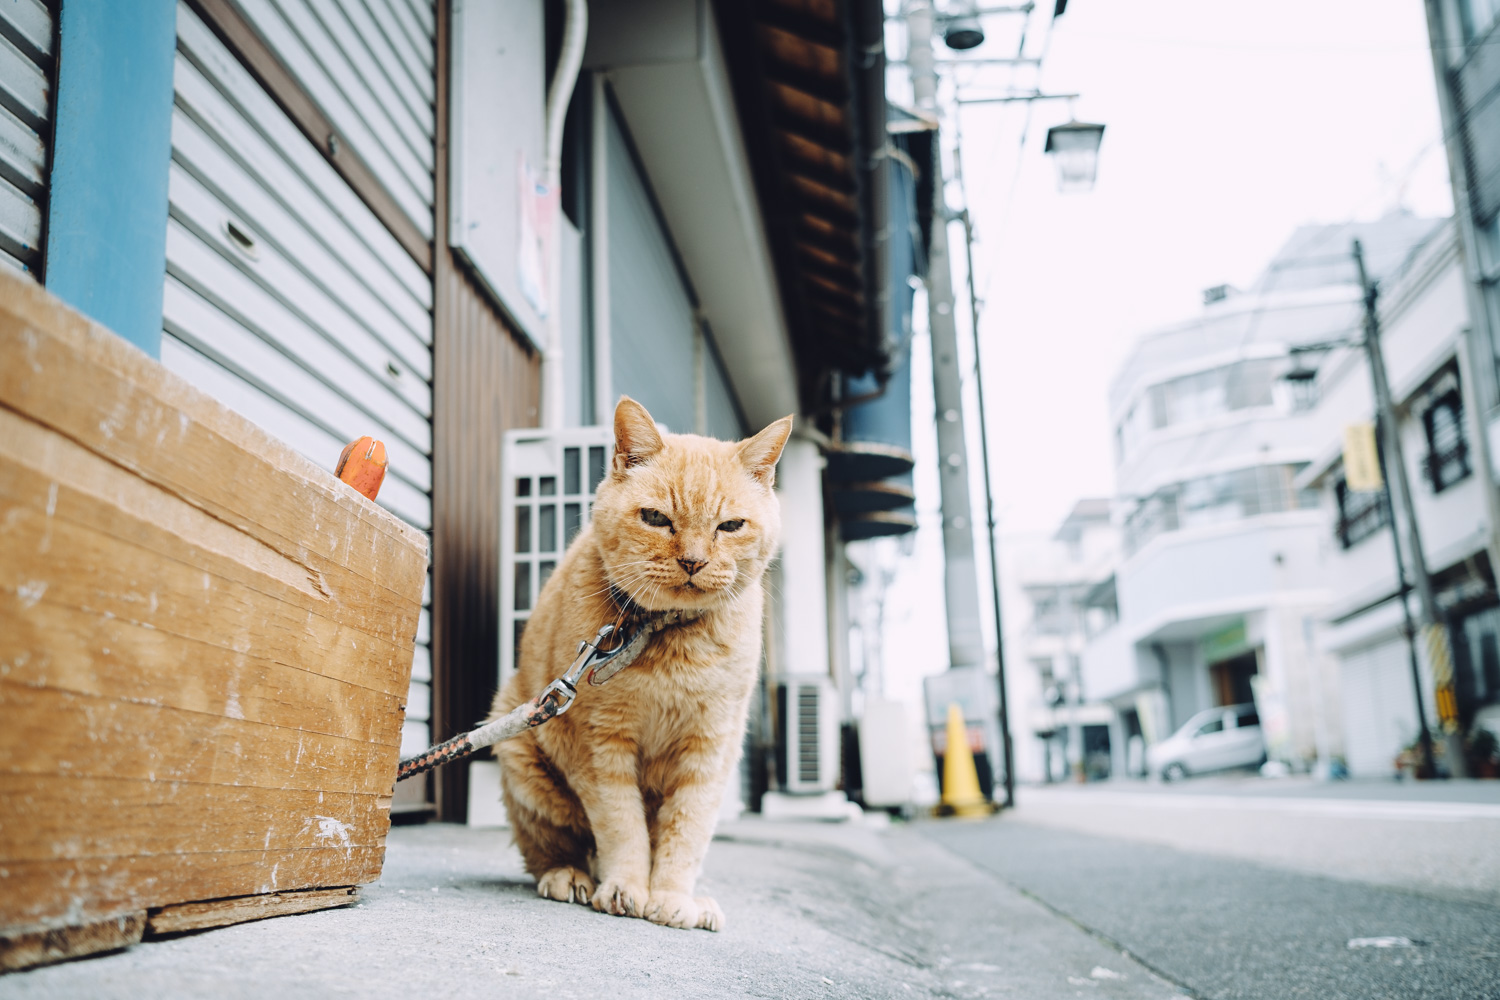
559	94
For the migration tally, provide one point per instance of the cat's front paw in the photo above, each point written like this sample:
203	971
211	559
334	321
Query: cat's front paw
678	909
620	898
566	885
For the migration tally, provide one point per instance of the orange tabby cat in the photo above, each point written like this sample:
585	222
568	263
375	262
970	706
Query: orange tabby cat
614	803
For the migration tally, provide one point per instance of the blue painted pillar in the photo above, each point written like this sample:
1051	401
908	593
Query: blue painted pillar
112	143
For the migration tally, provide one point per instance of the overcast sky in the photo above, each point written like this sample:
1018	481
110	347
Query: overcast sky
1227	126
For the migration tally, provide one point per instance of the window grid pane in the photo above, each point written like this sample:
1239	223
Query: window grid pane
523	585
546	540
572	471
596	467
523	528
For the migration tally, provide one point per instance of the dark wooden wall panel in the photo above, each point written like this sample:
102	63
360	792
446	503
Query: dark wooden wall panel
485	381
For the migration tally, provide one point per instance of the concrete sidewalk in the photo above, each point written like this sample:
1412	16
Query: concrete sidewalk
812	911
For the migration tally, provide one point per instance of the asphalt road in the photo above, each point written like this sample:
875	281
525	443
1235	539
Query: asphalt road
1224	927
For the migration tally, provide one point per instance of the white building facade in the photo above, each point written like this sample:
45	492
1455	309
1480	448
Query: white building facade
1424	321
1225	575
1068	581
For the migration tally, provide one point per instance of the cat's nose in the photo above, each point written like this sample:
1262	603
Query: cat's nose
690	565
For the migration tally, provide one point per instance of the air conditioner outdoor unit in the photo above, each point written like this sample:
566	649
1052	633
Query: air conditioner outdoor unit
808	751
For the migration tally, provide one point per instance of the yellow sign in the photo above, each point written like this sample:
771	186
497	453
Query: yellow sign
1361	460
1440	659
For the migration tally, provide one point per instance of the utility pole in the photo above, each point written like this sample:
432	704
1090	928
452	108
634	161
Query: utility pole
965	639
1398	488
1425	767
960	574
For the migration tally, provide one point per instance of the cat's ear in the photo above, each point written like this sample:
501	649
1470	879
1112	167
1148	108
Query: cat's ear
761	452
636	436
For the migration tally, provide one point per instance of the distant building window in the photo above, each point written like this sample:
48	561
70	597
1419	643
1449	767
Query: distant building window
1361	513
1443	422
1224	496
1199	396
1206	394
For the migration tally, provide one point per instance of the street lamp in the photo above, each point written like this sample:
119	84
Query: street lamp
1074	147
961	27
1303	382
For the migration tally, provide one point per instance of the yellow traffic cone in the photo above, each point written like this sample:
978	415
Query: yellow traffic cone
961	794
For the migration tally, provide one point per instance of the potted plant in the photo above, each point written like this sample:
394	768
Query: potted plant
1409	761
1484	753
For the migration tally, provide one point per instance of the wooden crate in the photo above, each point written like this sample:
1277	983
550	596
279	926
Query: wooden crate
205	647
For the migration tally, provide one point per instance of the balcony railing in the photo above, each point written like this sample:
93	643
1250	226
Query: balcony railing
1226	496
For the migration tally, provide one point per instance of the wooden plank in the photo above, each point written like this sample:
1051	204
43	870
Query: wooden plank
88	569
53	818
159	515
25	949
124	406
118	660
58	732
205	642
36	895
223	912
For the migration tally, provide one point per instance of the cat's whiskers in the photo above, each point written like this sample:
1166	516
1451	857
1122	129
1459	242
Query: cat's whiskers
615	581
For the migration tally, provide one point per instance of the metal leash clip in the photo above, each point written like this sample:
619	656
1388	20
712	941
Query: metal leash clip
558	696
590	658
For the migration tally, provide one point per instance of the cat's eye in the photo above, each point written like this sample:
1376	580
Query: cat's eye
655	518
735	525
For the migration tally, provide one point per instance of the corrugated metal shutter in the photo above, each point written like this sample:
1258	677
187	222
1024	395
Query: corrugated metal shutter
369	65
285	296
27	40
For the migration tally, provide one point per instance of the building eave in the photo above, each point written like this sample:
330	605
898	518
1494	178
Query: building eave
809	80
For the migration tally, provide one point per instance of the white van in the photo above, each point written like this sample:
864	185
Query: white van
1212	740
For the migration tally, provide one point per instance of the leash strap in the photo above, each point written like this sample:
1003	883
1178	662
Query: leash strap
544	707
594	660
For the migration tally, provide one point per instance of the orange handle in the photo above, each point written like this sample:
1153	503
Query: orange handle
362	465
